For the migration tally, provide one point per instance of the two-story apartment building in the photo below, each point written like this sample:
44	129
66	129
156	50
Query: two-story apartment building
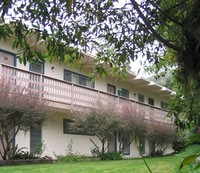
66	89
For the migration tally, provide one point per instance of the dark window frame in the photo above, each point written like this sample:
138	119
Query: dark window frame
10	53
141	98
151	101
123	93
127	150
113	86
40	63
79	77
66	129
142	144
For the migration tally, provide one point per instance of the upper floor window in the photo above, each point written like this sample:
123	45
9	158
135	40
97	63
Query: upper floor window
77	78
123	93
163	105
111	89
151	101
141	98
7	58
37	67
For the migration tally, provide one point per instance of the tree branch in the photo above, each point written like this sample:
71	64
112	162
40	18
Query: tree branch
165	14
158	36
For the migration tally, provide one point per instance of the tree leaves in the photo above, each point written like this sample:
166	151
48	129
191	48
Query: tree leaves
128	29
188	160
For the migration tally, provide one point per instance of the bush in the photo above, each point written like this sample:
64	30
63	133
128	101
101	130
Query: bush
65	159
157	153
111	156
178	145
72	158
17	153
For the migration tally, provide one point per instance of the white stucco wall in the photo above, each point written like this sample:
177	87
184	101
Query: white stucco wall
56	141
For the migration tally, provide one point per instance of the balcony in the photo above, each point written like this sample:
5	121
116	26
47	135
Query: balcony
71	95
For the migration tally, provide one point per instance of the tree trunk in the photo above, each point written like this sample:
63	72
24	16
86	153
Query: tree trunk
190	56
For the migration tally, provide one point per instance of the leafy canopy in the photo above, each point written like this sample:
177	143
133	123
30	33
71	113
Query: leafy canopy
117	31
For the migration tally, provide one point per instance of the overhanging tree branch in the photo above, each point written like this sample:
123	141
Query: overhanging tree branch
165	14
158	36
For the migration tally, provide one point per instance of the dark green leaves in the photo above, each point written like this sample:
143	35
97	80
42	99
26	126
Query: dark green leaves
188	160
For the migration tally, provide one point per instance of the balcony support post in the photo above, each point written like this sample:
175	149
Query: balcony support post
40	87
1	71
72	97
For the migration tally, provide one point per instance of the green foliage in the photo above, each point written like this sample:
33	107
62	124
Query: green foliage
72	158
157	153
178	145
118	32
65	159
189	159
16	153
184	106
69	150
111	156
39	148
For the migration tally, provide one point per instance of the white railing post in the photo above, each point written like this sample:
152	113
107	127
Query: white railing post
1	71
40	87
72	96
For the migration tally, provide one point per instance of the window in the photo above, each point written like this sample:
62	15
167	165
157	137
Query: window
35	137
151	101
124	138
37	67
7	58
68	128
142	145
67	124
77	78
35	79
111	89
141	98
123	93
163	105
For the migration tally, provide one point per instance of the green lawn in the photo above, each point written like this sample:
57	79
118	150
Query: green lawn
158	165
168	164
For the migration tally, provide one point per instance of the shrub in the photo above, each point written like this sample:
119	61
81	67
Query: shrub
161	137
111	156
178	145
17	153
157	153
72	158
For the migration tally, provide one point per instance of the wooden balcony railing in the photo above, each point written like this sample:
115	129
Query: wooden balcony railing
64	92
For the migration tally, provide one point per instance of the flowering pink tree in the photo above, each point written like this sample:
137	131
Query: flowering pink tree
161	137
132	124
99	120
19	110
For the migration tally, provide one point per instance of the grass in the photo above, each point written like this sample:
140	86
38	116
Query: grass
168	164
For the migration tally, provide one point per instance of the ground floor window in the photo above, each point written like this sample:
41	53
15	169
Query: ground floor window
142	145
69	129
124	139
35	138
